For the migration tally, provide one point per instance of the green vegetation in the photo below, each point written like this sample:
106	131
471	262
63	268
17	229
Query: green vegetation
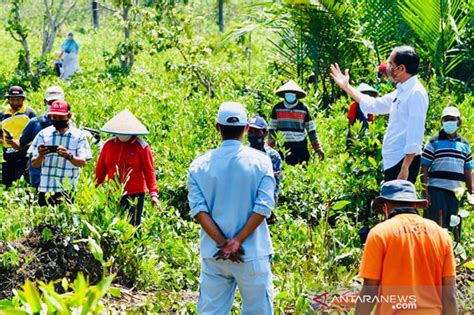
183	68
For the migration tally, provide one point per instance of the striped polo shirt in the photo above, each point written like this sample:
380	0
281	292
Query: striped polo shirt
447	159
294	122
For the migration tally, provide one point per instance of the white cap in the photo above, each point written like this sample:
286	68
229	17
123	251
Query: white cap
54	93
451	111
232	114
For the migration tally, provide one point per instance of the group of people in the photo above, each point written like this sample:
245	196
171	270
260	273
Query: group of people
233	189
50	151
232	194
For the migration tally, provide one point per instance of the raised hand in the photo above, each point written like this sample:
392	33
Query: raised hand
341	79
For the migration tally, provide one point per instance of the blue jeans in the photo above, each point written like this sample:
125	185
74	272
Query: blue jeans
219	280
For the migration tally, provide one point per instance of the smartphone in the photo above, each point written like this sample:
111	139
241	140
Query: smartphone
51	148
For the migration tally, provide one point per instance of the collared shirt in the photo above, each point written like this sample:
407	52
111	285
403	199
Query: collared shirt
447	159
230	183
407	107
57	173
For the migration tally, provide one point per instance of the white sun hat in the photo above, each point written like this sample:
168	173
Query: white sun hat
125	123
363	87
292	87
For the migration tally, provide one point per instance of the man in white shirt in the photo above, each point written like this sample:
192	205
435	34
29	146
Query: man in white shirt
407	106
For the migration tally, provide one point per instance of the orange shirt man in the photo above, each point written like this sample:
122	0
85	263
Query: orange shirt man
408	263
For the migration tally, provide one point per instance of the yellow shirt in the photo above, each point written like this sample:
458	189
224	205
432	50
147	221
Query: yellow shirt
14	124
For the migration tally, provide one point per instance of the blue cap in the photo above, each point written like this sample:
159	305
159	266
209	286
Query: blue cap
398	190
258	122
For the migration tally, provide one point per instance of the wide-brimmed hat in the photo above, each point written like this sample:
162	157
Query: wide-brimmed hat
292	87
125	123
16	91
363	87
398	190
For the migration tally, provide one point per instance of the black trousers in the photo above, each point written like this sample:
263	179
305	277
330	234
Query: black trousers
53	198
133	204
13	168
413	171
297	152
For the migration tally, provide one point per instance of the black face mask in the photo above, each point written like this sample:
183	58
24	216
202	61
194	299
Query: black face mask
256	141
60	124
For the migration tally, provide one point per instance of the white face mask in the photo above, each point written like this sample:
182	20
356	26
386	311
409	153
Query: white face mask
124	138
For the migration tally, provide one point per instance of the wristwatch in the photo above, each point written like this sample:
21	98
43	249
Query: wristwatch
69	157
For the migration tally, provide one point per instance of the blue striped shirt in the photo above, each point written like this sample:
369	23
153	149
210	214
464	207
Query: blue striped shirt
447	159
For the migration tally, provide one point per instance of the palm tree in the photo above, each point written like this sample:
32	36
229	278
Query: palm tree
439	25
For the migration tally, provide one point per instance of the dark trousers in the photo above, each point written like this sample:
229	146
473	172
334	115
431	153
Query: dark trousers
13	169
443	204
53	198
133	204
392	173
297	152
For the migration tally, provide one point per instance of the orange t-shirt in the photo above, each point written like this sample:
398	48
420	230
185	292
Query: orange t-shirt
409	255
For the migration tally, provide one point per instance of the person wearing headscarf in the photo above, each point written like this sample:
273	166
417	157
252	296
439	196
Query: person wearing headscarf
69	55
128	159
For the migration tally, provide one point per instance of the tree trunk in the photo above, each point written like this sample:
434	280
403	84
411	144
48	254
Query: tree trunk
26	47
129	59
95	14
221	16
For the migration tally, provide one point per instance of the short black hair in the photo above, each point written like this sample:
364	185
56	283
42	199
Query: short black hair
231	132
406	55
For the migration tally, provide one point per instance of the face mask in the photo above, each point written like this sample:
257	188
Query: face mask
60	124
124	138
450	127
256	141
290	97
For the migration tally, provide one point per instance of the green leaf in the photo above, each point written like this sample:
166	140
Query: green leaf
469	264
96	250
115	292
340	204
281	296
32	296
372	161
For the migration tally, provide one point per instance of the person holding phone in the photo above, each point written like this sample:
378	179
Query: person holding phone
13	120
61	150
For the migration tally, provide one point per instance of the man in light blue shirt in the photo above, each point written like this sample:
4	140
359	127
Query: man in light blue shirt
407	107
230	194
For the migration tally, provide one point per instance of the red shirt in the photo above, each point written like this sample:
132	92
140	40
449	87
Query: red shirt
352	114
133	161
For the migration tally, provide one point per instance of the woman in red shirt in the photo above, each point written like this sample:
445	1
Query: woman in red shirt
129	159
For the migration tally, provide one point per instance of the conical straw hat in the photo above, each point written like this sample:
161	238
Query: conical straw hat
291	86
366	88
125	123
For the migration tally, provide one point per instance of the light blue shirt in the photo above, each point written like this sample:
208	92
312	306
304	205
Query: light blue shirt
407	107
230	183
